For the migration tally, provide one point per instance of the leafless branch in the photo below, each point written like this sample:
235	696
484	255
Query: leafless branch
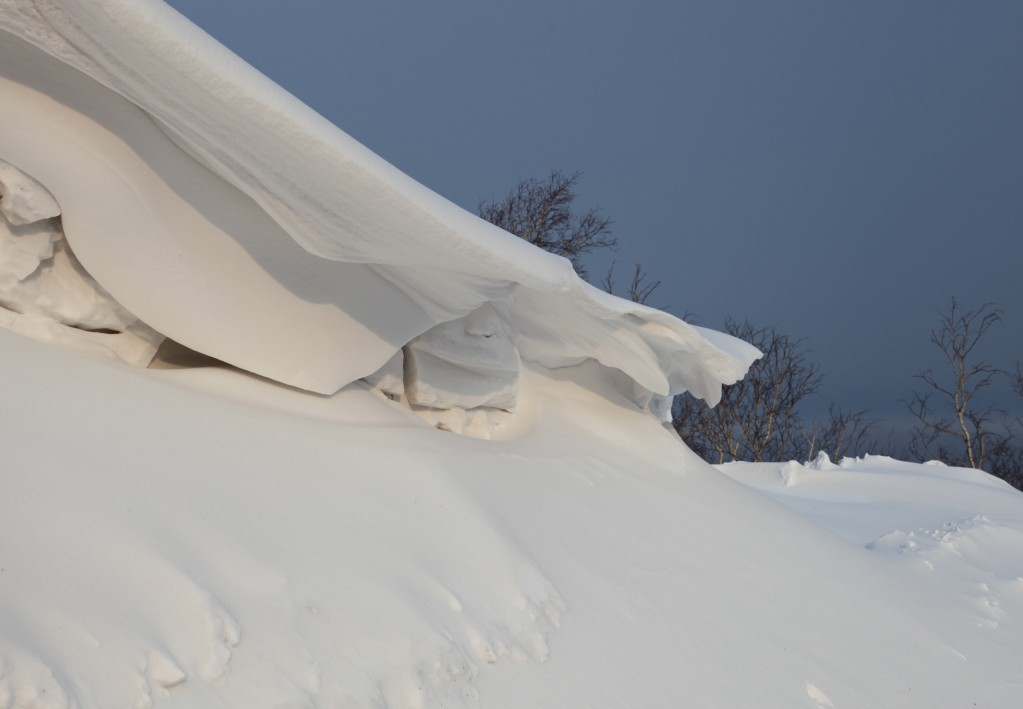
958	429
541	212
640	289
757	418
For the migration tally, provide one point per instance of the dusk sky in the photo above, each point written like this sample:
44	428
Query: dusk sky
837	169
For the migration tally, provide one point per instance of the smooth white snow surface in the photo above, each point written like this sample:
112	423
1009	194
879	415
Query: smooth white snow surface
205	538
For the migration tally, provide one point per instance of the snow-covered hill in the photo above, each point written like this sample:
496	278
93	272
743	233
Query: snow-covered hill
204	538
204	534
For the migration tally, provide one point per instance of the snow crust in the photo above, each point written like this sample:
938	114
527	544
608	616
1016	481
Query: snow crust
248	228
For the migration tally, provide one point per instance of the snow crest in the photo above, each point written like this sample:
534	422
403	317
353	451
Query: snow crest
250	229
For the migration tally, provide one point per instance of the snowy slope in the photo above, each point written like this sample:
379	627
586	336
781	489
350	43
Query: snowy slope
206	537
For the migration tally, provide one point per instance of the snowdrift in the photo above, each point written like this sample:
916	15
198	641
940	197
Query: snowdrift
209	536
231	218
204	538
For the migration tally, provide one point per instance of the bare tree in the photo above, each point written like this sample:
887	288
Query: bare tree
541	212
640	289
844	433
704	435
1006	462
952	424
1017	386
1007	457
757	418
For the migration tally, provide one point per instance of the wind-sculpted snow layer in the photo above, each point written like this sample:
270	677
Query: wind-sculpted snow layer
232	218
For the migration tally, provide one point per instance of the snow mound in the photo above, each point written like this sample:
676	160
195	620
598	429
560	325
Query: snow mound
206	538
325	566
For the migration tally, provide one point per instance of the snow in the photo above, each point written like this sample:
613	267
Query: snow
22	199
219	535
202	537
238	205
45	292
466	363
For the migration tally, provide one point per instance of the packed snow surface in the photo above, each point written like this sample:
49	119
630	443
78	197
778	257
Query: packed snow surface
210	537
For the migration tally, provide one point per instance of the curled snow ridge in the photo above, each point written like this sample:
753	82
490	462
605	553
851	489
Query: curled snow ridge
251	175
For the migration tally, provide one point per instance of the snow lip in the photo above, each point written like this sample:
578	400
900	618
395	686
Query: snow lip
339	201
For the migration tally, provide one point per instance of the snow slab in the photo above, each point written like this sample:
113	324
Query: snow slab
233	219
206	538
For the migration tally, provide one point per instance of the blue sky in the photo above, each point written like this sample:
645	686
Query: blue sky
837	169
